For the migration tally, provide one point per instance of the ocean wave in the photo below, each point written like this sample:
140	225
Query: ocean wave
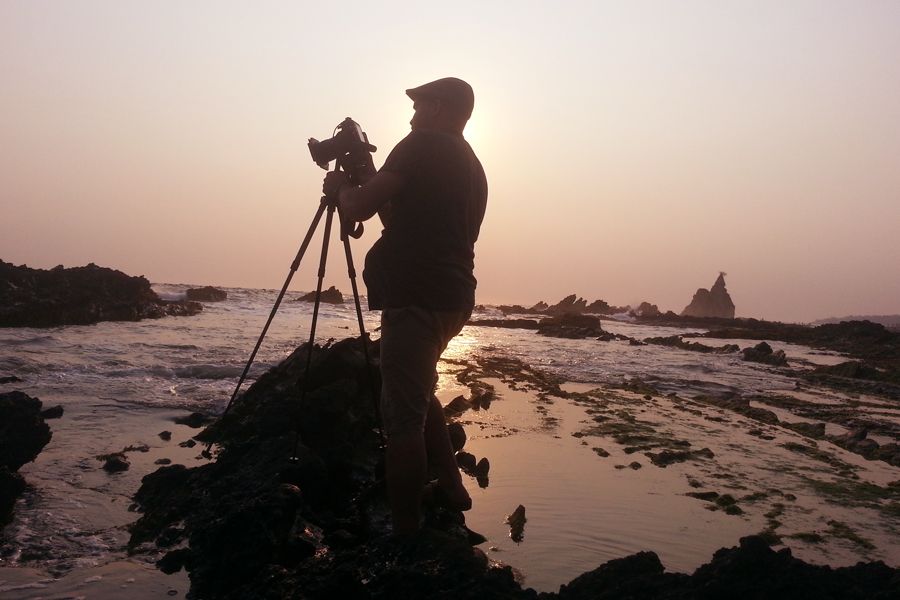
209	371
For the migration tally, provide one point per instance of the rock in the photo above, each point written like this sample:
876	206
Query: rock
568	305
540	307
571	326
762	353
165	435
505	323
715	302
676	341
457	436
163	461
466	462
52	413
516	521
79	296
194	420
23	433
11	487
206	294
481	471
115	463
188	443
457	406
645	309
10	379
482	396
667	457
330	296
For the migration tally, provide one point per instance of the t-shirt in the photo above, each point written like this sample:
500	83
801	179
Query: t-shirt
425	256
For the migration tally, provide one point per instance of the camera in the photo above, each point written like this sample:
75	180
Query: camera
349	146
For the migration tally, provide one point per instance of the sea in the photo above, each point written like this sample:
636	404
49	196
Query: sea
122	384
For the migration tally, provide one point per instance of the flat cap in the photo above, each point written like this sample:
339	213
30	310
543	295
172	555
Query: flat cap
454	93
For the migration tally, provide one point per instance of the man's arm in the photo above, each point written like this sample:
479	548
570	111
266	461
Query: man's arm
361	203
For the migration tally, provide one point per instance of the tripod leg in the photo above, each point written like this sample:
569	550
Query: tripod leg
323	259
294	266
364	338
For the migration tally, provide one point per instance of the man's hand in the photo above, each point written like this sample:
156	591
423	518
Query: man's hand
334	181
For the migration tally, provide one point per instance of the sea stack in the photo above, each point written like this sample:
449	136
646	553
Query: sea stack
714	302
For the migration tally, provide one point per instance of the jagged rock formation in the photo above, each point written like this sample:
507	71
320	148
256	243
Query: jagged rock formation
714	302
79	296
206	294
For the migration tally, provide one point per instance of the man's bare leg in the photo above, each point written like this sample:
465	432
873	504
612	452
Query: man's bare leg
406	471
440	455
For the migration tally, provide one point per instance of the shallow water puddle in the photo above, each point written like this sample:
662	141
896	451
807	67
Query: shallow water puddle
581	509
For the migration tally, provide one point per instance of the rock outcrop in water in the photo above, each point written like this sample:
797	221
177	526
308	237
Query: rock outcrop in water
23	434
330	296
712	303
255	524
79	296
206	294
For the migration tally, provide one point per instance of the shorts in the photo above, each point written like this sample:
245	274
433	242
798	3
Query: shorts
412	340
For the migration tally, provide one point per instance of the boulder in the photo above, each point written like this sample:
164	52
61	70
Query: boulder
23	434
714	302
330	296
206	294
645	309
763	353
79	296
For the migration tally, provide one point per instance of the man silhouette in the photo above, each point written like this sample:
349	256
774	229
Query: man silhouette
431	195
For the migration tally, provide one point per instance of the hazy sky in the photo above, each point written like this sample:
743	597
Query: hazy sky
633	149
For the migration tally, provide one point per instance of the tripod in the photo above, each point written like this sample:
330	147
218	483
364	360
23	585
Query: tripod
330	205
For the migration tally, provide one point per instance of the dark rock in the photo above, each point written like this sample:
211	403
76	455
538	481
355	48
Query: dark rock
206	294
635	465
572	326
813	430
115	463
714	302
54	412
10	379
568	305
194	420
457	406
676	341
188	443
174	561
330	296
740	405
645	309
11	487
505	323
457	436
667	457
466	462
163	461
516	521
79	296
762	353
23	433
165	435
482	396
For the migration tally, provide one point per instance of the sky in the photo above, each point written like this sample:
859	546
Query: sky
633	149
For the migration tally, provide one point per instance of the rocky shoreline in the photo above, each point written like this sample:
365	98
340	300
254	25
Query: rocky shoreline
256	524
79	296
